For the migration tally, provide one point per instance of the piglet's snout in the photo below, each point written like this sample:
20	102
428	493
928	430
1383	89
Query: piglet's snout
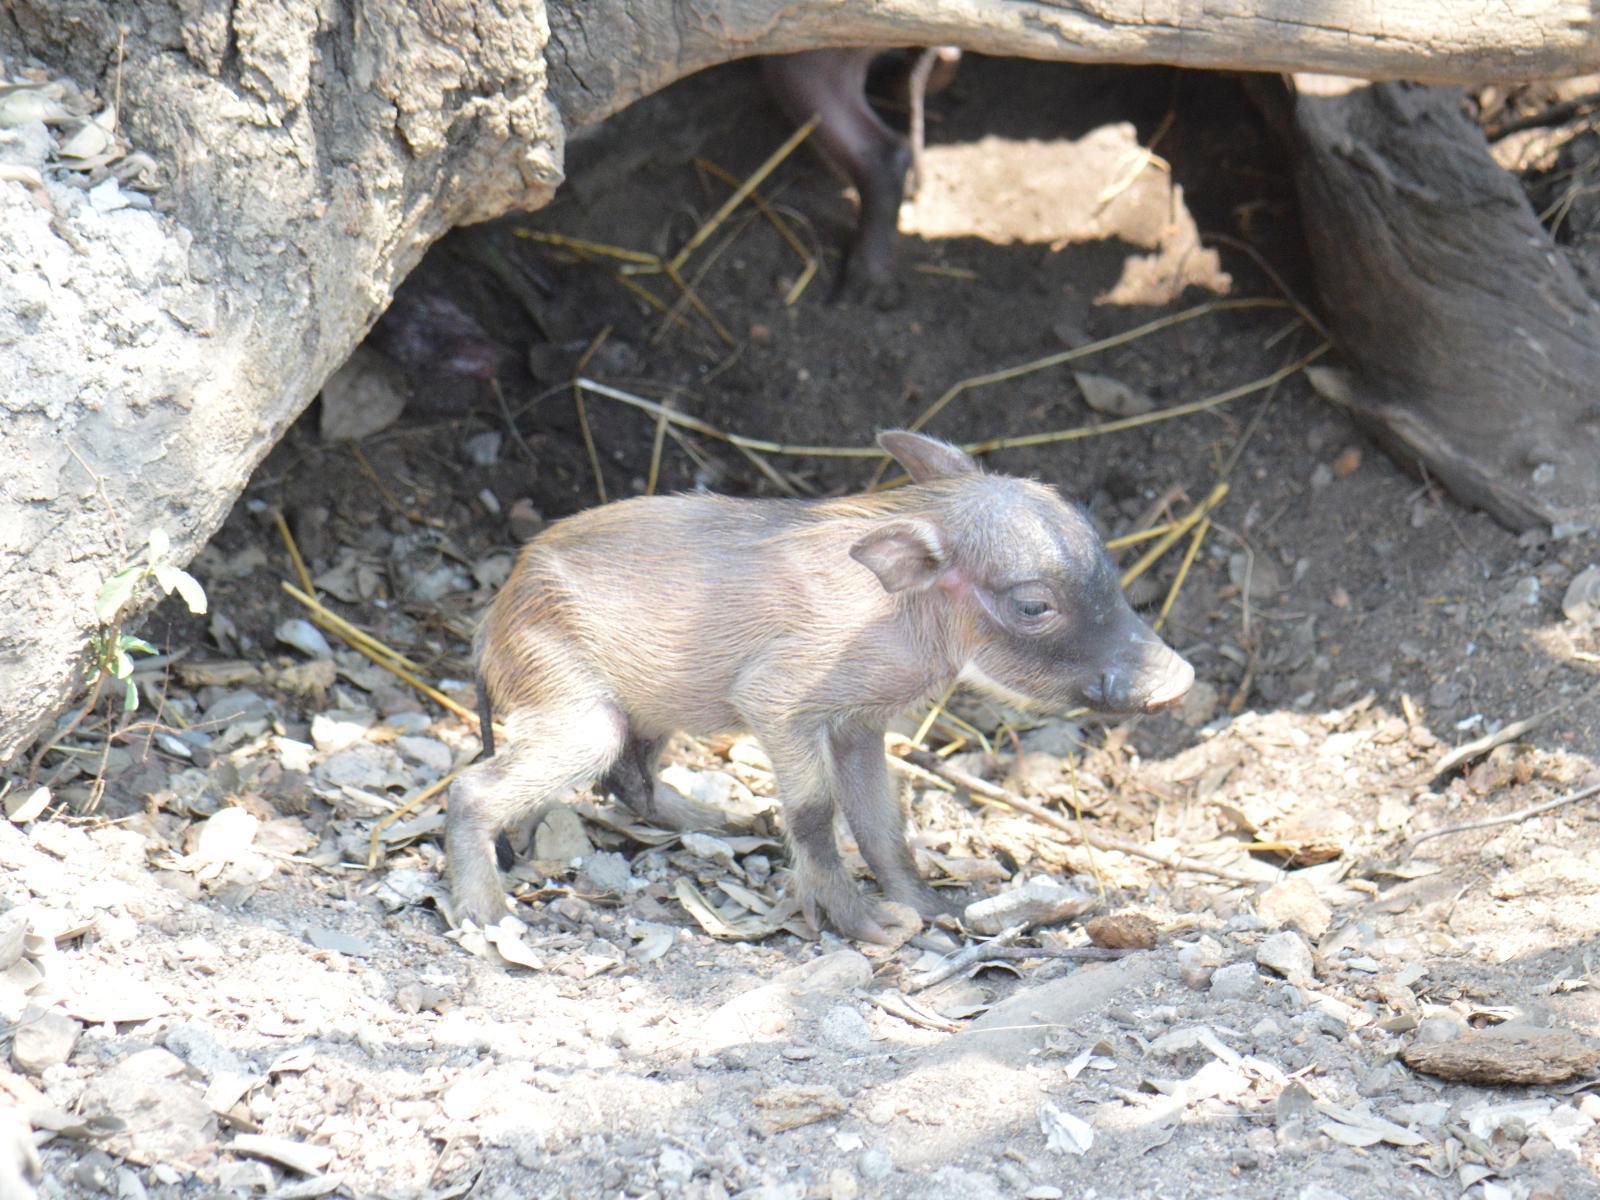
1170	684
1152	676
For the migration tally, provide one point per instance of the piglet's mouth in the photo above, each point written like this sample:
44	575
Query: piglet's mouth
1171	687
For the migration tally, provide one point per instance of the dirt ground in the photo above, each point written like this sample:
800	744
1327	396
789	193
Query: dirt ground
207	992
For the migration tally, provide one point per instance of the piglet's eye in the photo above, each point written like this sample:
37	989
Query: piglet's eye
1031	607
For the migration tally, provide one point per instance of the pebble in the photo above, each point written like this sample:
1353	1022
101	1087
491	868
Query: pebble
235	706
1040	901
561	838
42	1040
429	752
333	731
1581	602
1434	1030
1236	981
304	637
875	1165
1199	705
606	873
1294	904
844	1028
1288	955
958	1183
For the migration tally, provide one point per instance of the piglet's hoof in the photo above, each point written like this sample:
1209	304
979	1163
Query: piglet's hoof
868	288
888	924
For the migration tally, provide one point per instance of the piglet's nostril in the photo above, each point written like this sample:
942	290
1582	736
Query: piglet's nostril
1111	690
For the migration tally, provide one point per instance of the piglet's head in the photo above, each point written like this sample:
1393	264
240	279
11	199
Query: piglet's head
1047	624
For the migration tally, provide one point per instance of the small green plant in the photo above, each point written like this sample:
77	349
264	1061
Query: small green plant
114	649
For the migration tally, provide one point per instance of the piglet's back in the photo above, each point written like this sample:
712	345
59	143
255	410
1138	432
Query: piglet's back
665	598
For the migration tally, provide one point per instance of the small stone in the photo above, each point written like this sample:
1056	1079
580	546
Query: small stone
1199	706
1581	602
1111	396
561	838
674	1166
1266	1030
483	449
428	752
875	1165
244	1178
304	637
1236	981
958	1183
1040	901
525	520
606	873
1122	931
844	1028
339	942
42	1040
1293	903
235	706
417	997
335	731
1435	1030
1288	955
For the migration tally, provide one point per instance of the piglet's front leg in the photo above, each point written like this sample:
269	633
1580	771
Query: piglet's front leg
803	764
871	806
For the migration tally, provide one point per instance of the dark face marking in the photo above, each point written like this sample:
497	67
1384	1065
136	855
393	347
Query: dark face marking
1061	632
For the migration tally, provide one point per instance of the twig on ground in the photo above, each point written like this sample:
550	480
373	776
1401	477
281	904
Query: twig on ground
1178	528
511	424
389	660
1065	356
897	1005
1255	256
1508	733
1554	115
962	959
706	429
1149	418
1183	572
988	791
410	805
583	413
778	223
1522	814
738	197
295	560
1478	747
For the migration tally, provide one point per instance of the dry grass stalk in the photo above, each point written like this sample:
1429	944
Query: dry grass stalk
583	412
778	223
389	659
409	805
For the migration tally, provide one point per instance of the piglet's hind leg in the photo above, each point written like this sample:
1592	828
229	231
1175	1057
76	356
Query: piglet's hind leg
545	756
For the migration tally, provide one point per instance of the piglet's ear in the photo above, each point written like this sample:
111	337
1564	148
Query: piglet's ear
926	458
904	555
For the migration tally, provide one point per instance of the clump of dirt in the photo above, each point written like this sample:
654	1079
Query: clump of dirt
234	975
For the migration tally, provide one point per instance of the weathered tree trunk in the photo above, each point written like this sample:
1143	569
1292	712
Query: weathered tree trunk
1474	349
313	150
